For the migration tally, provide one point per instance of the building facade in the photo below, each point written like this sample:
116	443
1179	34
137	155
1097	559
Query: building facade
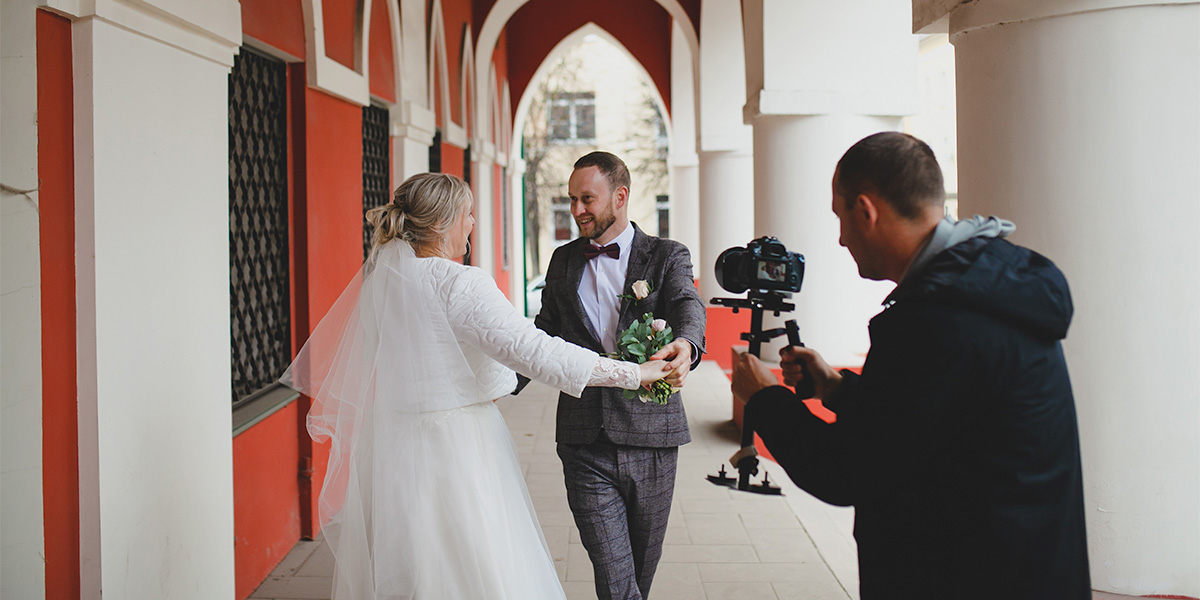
183	187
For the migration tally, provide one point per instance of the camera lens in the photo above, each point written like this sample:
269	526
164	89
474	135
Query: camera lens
729	270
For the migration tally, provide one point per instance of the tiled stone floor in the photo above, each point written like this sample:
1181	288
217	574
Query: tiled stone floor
721	544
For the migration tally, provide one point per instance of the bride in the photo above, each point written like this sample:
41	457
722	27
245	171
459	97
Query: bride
424	496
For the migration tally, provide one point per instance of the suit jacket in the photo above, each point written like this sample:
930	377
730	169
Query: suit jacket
666	265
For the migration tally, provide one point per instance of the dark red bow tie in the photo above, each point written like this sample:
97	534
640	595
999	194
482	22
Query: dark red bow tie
592	251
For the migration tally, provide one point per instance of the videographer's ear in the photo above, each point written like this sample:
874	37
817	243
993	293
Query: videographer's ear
866	210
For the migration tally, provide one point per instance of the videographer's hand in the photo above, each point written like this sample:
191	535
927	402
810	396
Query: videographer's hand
792	361
750	376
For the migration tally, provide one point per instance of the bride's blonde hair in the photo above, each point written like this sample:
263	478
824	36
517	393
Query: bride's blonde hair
421	211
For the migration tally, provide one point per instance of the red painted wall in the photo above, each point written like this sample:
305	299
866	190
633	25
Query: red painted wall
457	17
279	23
266	505
382	65
339	30
452	159
644	28
56	227
334	242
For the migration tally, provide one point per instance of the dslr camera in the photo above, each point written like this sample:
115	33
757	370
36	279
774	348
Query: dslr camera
764	264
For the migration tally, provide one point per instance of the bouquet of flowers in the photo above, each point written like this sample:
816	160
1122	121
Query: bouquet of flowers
641	340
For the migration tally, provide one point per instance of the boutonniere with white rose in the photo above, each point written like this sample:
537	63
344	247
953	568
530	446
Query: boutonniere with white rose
641	340
640	289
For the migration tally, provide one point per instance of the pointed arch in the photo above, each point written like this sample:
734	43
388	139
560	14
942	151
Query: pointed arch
439	78
559	50
327	74
467	92
503	10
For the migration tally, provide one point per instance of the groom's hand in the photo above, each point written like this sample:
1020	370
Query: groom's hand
678	353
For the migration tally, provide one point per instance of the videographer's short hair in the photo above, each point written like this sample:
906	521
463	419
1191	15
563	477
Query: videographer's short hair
896	166
611	167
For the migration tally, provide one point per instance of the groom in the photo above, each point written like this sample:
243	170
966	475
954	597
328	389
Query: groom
619	455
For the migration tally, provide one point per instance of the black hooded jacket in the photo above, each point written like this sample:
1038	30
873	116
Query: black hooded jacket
958	445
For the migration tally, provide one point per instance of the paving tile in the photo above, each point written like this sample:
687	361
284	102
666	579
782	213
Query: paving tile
782	545
716	528
774	573
319	564
820	589
580	590
295	559
579	566
738	591
708	553
772	520
556	539
677	582
301	588
677	535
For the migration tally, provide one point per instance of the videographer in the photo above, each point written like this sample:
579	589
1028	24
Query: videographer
958	445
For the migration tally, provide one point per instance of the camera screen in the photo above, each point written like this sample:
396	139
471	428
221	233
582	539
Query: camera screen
769	270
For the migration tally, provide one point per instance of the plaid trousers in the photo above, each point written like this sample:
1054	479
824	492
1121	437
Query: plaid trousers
621	498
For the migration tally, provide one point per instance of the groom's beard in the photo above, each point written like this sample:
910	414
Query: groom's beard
599	225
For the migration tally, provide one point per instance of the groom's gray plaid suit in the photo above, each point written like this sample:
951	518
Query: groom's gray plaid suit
619	455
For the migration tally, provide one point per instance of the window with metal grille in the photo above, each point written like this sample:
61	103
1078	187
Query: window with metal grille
375	166
573	117
260	301
435	152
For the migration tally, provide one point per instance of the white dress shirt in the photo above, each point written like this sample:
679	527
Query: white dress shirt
603	280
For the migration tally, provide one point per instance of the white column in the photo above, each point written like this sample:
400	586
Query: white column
412	134
819	77
152	239
726	173
726	203
22	544
1079	121
483	253
685	182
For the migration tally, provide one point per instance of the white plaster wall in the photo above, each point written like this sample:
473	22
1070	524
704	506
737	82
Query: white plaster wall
1083	130
153	279
22	569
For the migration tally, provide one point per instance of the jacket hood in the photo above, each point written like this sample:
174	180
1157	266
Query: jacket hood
995	277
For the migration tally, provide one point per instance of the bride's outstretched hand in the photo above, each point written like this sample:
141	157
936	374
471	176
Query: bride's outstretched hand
653	370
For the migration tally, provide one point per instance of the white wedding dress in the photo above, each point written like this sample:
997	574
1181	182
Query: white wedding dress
424	497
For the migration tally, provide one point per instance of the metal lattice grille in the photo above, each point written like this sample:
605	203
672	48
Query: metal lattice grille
375	166
258	222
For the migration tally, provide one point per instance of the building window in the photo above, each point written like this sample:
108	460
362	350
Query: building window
663	204
375	166
259	288
573	117
564	225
